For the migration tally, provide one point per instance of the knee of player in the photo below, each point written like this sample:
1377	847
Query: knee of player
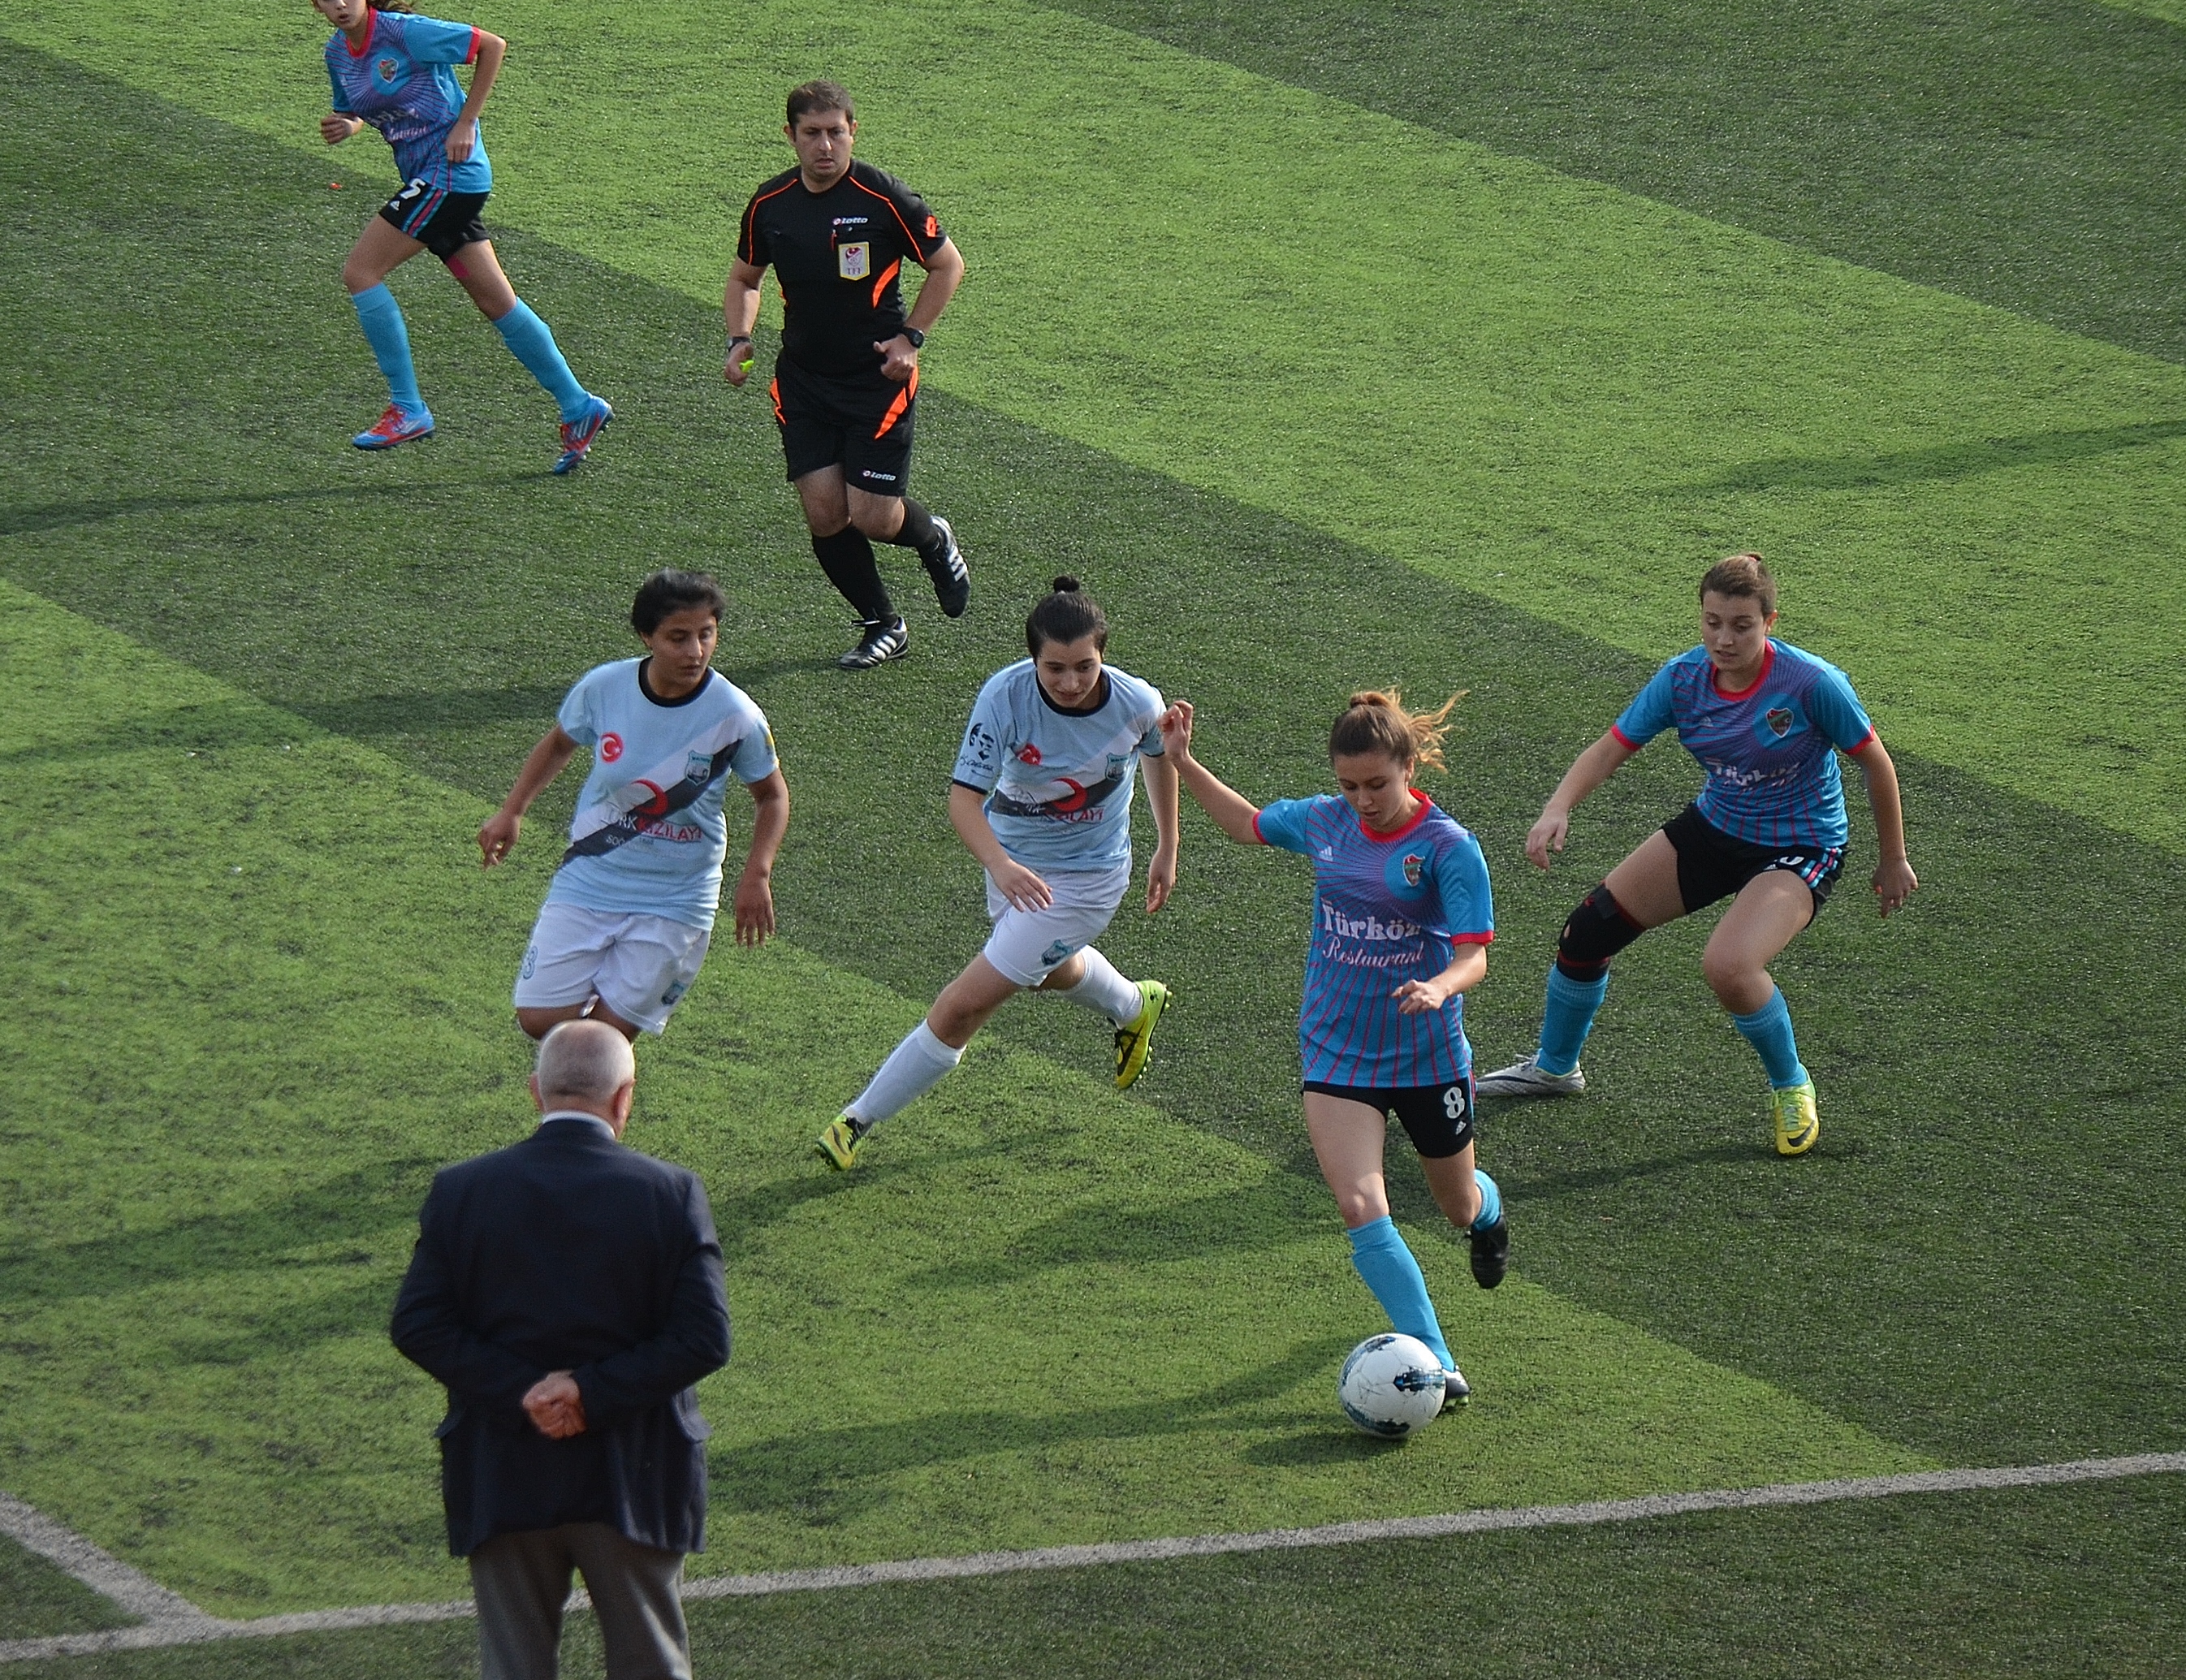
1731	977
1594	934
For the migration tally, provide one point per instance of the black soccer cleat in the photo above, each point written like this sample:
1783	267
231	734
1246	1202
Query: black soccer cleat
1491	1252
880	643
944	564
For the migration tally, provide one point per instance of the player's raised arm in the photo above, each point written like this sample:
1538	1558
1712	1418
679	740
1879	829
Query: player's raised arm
1233	813
1588	771
543	763
1893	880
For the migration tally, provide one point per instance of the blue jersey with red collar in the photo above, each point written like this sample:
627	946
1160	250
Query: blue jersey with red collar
1769	750
1387	908
401	83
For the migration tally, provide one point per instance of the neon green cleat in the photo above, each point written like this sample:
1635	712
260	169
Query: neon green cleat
1134	1043
1797	1125
839	1142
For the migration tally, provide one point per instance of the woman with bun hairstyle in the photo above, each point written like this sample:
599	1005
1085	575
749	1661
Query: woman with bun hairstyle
1402	919
1041	796
1766	722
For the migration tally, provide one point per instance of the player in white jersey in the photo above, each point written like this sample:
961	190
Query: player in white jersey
1042	798
627	920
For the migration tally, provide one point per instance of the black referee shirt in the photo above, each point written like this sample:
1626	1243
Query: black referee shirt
838	256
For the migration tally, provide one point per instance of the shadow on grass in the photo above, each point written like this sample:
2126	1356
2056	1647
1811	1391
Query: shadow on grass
1962	460
93	510
834	1473
1611	1174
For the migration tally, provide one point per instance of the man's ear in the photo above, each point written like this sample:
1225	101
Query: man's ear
624	1097
531	1085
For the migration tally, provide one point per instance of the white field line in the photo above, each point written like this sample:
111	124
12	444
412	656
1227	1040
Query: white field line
170	1620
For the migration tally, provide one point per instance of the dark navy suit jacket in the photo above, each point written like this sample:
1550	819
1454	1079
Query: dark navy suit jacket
568	1252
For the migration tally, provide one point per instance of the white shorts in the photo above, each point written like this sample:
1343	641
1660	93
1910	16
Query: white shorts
638	965
1027	946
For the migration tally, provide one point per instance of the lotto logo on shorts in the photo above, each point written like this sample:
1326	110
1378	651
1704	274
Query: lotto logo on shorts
854	261
610	748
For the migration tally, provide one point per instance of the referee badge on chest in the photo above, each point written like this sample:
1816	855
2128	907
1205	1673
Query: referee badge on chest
854	261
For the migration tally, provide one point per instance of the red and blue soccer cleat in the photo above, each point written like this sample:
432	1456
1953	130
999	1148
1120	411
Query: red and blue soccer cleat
577	435
398	425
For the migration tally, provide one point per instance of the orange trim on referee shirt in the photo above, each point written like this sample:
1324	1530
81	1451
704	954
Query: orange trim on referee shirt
882	284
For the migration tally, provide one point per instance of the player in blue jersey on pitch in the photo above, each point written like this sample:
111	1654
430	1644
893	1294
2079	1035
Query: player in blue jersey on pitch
630	911
1766	721
1402	919
391	71
1041	795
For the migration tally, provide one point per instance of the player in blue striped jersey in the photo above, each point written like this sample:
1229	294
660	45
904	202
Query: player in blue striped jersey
1766	722
1041	795
393	71
1402	918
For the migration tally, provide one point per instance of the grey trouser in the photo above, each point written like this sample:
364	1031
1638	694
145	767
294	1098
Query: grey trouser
522	1582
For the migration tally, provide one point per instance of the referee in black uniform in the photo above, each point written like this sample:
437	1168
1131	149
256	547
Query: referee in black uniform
845	385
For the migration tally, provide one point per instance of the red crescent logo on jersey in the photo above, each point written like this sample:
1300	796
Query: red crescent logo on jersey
1028	753
656	806
1075	802
610	748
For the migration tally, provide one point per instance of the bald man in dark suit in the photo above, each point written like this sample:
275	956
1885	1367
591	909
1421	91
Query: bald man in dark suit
566	1292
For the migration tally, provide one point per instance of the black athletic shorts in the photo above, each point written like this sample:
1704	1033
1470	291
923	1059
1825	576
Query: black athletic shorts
442	221
1438	1118
1713	865
859	422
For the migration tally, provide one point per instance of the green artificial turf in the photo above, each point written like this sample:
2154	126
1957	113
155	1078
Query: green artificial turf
1553	392
37	1600
2057	1582
2030	153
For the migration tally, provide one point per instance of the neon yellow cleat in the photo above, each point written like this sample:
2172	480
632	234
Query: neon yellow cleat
1134	1043
1797	1125
839	1142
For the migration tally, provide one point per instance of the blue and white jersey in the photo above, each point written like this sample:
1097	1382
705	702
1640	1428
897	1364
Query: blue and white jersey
649	833
1058	784
401	83
1769	751
1387	908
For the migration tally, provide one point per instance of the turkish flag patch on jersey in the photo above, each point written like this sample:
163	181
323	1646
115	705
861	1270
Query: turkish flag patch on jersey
610	748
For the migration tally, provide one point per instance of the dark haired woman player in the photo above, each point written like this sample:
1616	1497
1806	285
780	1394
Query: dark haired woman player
627	920
1766	721
391	71
1401	923
1042	797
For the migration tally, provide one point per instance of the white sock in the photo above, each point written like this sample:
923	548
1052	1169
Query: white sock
1106	991
913	1068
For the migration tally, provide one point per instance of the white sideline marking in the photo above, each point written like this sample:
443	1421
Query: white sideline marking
172	1620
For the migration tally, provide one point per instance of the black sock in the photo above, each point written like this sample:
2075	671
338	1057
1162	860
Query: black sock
917	530
847	558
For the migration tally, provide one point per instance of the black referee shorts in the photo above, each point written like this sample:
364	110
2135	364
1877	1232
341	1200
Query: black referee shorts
859	422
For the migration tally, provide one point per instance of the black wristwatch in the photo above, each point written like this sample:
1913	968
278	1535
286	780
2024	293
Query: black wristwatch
736	339
917	338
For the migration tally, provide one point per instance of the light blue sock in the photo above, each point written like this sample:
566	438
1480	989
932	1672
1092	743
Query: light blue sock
1491	1202
1566	1018
381	317
1768	1030
531	342
1387	1267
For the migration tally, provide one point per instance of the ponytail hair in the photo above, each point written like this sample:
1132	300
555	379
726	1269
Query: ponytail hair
1375	722
1742	574
1066	613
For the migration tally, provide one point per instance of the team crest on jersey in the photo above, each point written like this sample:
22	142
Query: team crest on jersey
1028	754
1414	863
1780	721
698	767
854	261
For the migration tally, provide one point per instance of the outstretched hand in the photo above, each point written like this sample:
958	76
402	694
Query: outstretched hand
1175	725
1547	835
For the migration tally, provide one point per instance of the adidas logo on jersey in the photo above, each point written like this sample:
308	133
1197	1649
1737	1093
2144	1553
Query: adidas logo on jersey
1328	855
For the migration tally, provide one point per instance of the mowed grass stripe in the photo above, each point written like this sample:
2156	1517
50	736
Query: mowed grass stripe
436	604
1031	1329
2024	153
1554	393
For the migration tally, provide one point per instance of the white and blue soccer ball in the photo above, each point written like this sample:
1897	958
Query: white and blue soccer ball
1391	1385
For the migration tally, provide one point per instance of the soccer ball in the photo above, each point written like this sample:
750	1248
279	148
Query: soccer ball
1391	1385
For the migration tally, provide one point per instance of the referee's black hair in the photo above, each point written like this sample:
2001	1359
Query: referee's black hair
821	96
1066	613
669	590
